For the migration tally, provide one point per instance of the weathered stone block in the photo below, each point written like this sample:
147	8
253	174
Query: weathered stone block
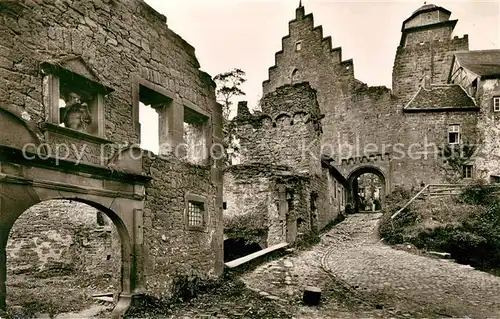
312	296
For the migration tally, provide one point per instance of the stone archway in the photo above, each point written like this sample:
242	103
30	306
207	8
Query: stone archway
34	174
352	181
58	246
12	209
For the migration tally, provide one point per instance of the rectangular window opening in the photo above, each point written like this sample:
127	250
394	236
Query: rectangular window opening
467	171
195	136
454	134
195	212
151	104
148	119
298	46
496	104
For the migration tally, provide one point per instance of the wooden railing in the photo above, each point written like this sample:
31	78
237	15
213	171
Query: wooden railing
422	191
433	190
438	190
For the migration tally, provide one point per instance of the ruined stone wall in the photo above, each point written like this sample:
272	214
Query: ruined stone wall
117	39
124	43
247	190
281	170
416	60
61	237
254	204
487	161
286	133
257	211
351	109
173	249
249	195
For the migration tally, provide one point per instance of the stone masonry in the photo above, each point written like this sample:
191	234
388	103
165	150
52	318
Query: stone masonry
115	54
281	188
372	129
63	236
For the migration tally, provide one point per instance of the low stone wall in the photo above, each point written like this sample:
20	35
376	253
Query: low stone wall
63	237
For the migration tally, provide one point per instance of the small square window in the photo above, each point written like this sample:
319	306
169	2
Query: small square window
298	46
454	134
496	104
467	171
195	213
224	205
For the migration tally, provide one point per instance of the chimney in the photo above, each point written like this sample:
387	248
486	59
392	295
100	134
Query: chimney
300	12
243	109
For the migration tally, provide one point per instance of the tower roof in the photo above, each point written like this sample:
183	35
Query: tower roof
427	8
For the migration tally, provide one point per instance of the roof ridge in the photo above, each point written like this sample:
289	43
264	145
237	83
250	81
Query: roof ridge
478	51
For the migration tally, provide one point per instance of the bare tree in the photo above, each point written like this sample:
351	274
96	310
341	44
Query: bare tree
228	86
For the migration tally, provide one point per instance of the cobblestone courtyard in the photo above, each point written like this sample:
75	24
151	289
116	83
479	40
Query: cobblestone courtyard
386	282
360	278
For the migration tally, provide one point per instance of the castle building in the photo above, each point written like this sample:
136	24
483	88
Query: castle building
438	123
443	98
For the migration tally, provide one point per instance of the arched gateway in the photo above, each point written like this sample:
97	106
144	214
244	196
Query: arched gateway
379	165
30	173
353	184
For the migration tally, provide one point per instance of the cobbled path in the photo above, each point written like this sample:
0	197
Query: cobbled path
387	282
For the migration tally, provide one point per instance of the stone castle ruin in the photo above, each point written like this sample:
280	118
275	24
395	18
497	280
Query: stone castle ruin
443	103
441	93
74	73
280	180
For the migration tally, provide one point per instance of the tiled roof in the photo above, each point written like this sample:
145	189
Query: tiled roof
441	97
481	62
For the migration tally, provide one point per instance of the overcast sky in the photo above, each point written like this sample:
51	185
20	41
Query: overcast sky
245	34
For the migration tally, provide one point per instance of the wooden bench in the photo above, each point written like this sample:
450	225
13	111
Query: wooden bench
243	260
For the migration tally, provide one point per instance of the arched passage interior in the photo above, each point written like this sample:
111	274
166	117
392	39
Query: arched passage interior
235	248
58	254
367	188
